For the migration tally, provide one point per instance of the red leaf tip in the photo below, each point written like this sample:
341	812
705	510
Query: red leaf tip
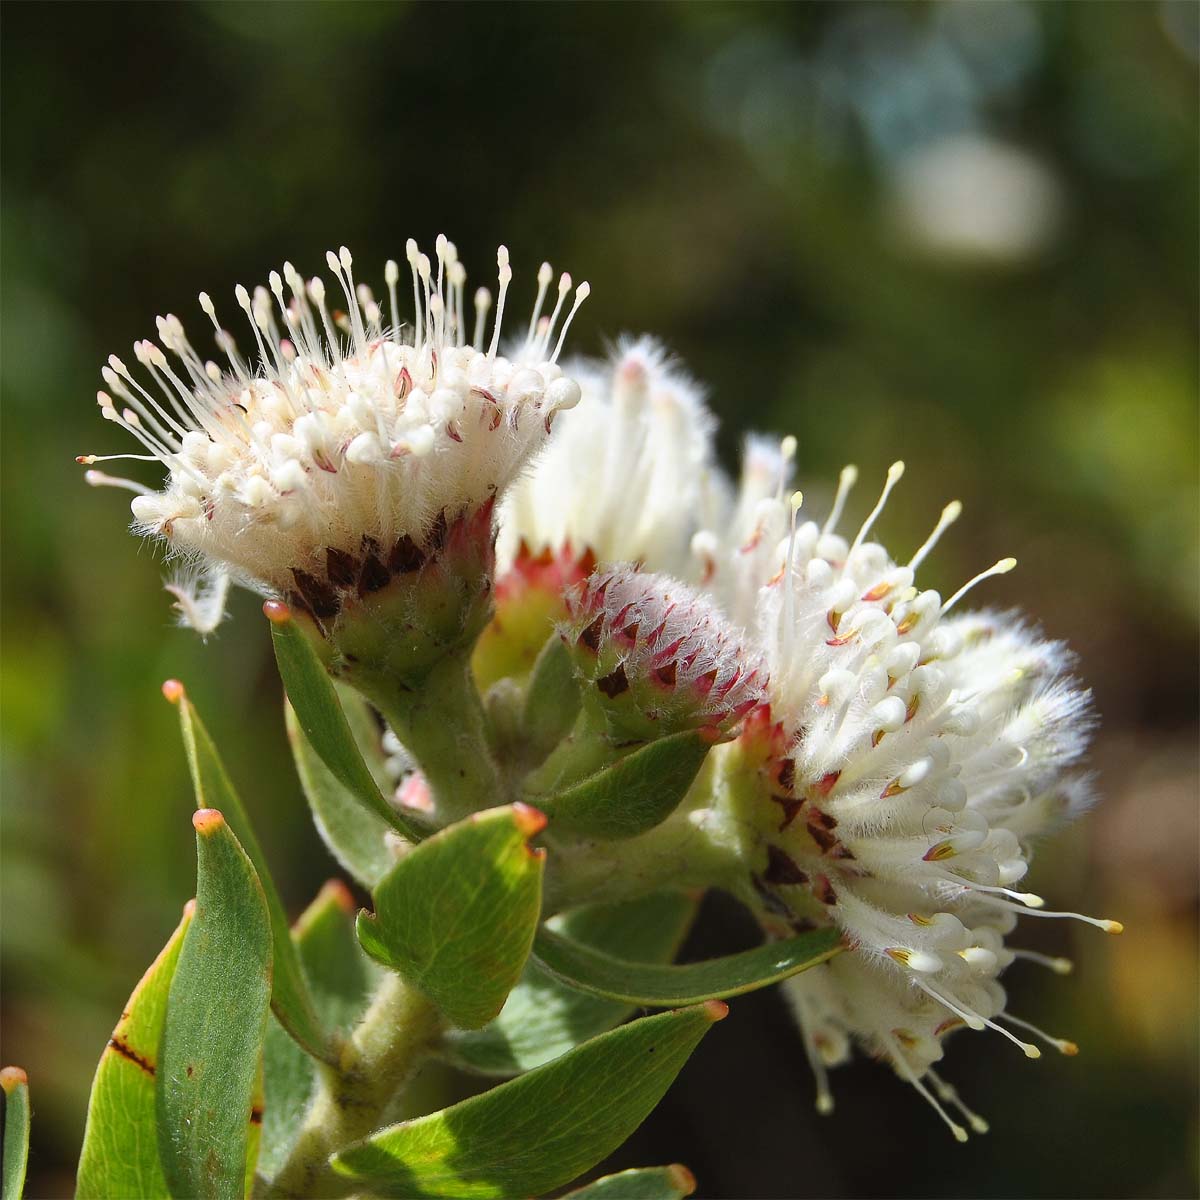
681	1179
173	690
12	1078
529	820
207	820
336	891
277	612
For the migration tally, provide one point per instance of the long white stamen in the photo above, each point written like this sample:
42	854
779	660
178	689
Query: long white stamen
895	471
846	481
100	479
582	292
391	274
950	514
544	276
505	278
948	1094
1062	1045
1060	966
1001	568
901	1064
483	301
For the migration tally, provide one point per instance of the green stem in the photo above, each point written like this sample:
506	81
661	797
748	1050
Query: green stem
395	1033
442	722
692	848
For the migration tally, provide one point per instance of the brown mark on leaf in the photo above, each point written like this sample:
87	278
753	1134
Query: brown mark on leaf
125	1050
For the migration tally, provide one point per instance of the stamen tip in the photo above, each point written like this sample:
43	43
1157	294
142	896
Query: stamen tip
1112	927
172	690
824	1104
960	1134
979	1125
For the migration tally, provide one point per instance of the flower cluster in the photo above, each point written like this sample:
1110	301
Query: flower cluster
908	759
338	457
886	762
629	474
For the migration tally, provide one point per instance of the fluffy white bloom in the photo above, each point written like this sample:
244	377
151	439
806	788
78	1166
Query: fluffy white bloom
627	474
909	759
335	457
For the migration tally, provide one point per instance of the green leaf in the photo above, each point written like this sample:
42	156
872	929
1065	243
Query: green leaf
120	1152
551	698
367	733
542	1018
457	914
291	998
320	715
631	795
14	1084
209	1062
541	1130
646	1183
355	835
657	985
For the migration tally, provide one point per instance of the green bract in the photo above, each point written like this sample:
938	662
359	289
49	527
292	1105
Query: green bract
457	915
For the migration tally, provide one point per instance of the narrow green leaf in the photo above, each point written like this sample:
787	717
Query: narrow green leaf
209	1062
631	795
542	1018
342	977
539	1131
457	914
658	985
14	1084
291	998
320	715
120	1151
646	1183
551	698
355	835
367	733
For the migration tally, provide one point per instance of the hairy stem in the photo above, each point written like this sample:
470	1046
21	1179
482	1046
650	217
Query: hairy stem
442	722
394	1035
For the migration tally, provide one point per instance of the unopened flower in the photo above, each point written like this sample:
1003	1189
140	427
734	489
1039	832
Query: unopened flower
658	657
908	759
338	455
626	476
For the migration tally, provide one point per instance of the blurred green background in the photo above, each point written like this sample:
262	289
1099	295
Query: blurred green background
959	233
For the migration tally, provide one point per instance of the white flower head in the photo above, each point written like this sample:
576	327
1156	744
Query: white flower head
626	475
912	757
341	451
